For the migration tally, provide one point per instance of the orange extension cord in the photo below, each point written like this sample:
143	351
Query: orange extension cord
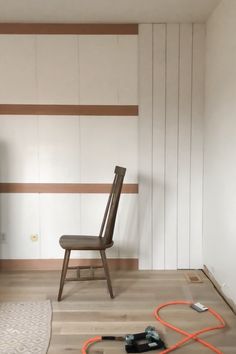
89	342
188	336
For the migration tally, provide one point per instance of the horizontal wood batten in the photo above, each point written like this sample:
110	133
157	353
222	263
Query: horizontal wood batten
129	188
69	110
68	28
56	264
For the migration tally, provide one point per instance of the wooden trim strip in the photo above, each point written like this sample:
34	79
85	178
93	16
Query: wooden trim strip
56	264
69	110
68	28
128	188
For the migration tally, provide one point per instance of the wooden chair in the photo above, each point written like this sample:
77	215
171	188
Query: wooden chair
96	243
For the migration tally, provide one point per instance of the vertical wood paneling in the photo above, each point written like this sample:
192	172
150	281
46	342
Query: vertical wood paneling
159	115
172	83
185	91
171	193
197	146
145	146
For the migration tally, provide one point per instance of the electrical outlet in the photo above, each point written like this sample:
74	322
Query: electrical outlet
34	237
2	237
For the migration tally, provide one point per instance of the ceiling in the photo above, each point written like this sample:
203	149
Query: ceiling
106	11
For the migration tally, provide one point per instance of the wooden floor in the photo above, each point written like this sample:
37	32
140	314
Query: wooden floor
86	309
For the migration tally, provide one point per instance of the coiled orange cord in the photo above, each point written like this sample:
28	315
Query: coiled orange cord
188	336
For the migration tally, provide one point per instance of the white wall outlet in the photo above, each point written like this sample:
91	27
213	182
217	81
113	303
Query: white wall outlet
34	237
2	237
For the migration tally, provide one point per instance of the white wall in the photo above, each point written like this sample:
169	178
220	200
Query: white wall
220	148
69	149
66	69
171	91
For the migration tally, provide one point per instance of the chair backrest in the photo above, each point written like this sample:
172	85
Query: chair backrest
109	219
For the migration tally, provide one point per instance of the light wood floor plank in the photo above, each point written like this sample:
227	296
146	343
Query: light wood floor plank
87	309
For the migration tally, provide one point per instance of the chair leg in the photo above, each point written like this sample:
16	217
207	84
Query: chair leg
106	269
63	273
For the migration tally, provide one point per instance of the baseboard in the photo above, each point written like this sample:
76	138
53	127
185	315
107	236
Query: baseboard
56	264
211	277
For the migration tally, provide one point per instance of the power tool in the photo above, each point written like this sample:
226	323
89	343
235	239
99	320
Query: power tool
144	342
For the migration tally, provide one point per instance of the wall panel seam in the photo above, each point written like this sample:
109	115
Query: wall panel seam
152	88
191	136
165	147
178	132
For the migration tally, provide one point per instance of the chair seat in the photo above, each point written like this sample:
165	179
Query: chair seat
81	242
